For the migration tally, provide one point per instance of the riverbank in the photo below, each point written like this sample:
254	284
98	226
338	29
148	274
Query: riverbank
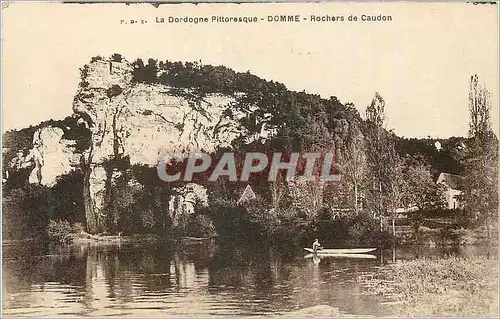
443	287
445	236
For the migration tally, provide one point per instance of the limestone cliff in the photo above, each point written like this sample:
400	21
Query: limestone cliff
52	155
49	156
142	123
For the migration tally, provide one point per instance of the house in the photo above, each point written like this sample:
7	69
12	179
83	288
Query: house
452	184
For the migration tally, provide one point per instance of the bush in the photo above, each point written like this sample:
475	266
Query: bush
260	217
96	58
59	231
363	224
78	228
360	229
199	225
116	57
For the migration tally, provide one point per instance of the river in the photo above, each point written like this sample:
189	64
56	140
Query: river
156	280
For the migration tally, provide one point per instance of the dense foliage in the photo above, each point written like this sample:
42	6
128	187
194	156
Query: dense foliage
28	209
381	172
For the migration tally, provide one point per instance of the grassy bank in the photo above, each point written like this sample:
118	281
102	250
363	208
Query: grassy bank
446	237
444	287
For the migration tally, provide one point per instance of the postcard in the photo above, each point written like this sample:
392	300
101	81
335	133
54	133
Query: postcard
331	159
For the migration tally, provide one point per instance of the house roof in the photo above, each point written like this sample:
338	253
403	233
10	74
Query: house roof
247	195
451	180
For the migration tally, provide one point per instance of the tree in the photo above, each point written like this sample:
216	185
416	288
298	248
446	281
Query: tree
420	190
375	148
145	73
393	182
384	164
480	188
353	163
279	194
116	57
479	112
375	112
307	197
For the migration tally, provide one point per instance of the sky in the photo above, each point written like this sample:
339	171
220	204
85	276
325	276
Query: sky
420	62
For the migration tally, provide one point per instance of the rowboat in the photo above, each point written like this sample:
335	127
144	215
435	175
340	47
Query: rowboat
341	251
360	256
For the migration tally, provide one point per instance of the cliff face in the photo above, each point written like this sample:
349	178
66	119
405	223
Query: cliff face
142	123
125	121
50	156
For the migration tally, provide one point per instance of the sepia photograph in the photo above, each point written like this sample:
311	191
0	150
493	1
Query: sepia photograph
329	159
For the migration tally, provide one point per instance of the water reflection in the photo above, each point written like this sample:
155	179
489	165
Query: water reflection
162	280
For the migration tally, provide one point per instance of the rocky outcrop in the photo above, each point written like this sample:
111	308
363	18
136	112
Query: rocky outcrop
51	156
145	122
140	123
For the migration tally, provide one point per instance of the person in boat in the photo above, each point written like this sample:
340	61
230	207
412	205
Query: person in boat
316	245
